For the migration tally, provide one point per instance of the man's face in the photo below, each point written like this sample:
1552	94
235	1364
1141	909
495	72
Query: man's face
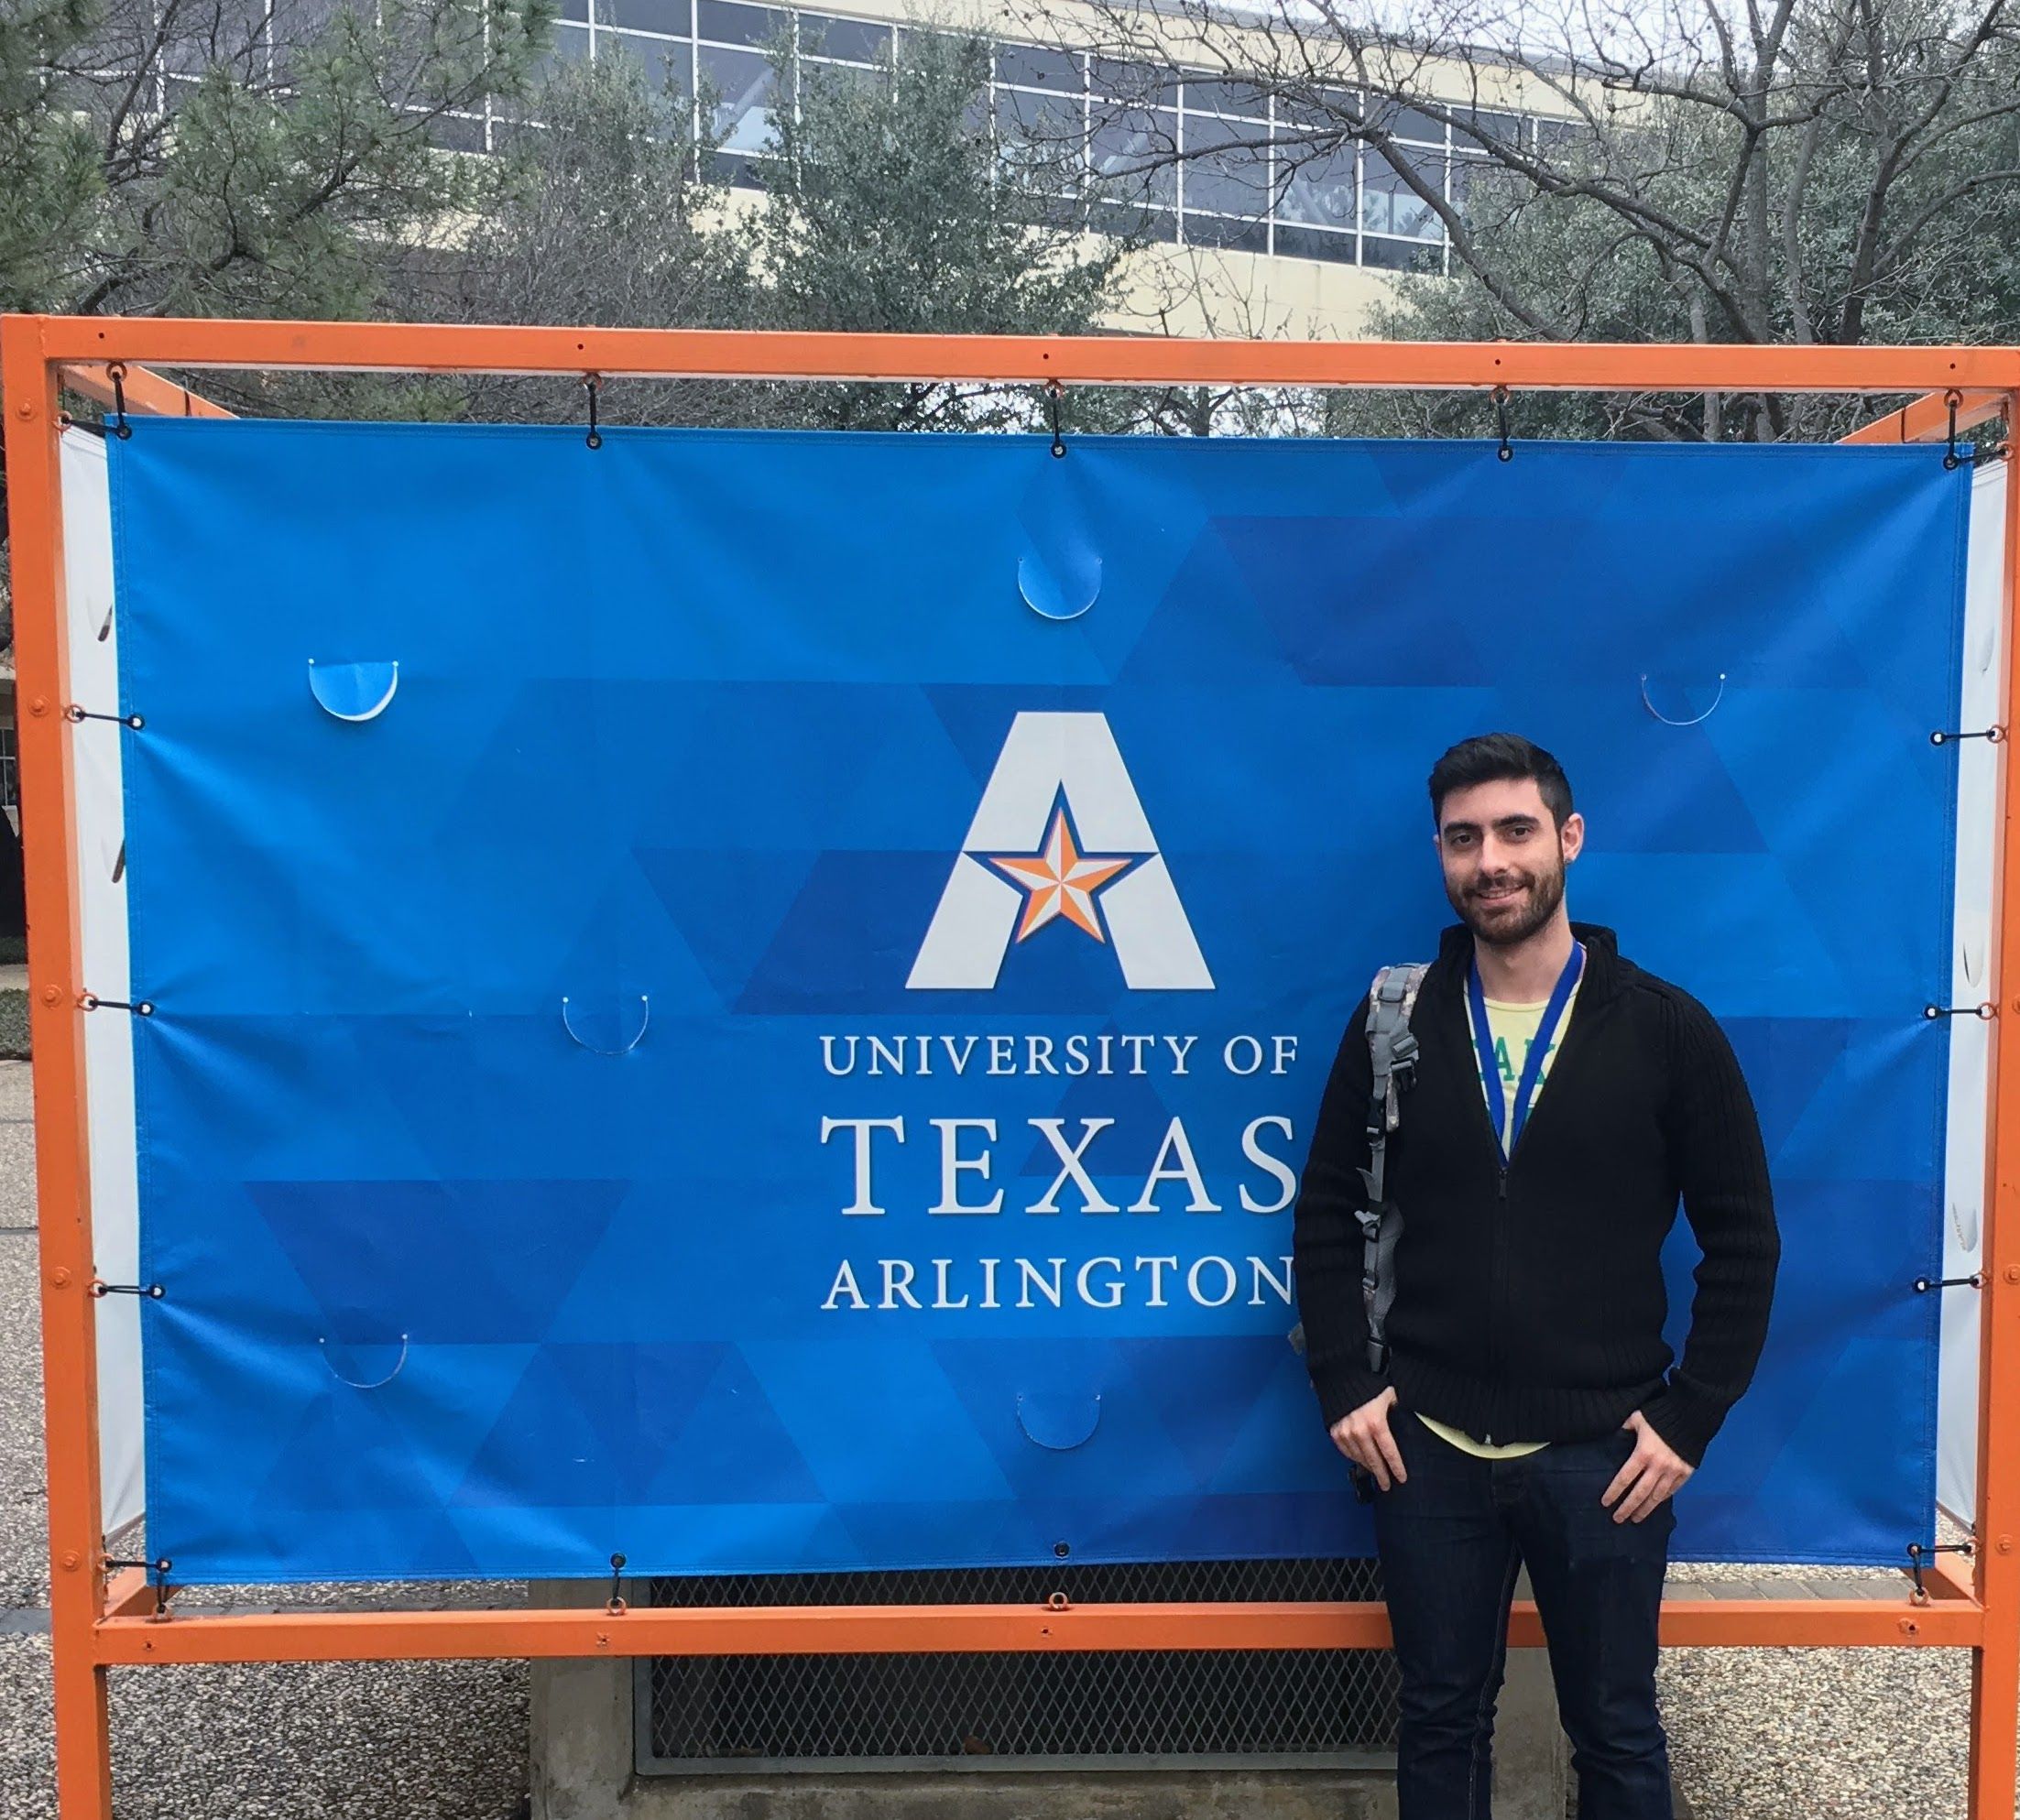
1504	858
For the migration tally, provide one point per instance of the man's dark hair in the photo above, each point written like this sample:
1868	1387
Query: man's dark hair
1499	757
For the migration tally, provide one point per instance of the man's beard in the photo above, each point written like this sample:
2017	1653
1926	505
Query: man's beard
1546	893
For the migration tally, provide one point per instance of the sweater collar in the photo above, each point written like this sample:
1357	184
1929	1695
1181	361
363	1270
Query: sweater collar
1602	956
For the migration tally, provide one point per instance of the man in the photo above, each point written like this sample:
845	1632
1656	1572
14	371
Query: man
1522	1410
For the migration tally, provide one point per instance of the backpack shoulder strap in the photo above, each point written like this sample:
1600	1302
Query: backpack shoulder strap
1392	1050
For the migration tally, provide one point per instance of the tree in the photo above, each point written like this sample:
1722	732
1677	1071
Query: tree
892	206
48	170
220	157
1839	172
888	203
249	160
606	212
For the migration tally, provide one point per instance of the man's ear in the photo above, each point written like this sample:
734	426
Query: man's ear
1572	834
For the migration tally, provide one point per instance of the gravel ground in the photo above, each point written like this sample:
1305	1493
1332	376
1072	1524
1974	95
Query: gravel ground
1755	1734
1816	1734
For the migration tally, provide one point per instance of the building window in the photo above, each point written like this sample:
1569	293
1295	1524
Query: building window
1257	176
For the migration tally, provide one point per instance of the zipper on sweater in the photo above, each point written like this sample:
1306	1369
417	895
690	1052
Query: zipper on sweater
1494	1227
1575	1031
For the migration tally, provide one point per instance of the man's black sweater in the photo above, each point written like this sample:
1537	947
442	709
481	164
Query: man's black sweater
1529	1301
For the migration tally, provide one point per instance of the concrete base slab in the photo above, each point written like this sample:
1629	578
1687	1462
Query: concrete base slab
1290	1794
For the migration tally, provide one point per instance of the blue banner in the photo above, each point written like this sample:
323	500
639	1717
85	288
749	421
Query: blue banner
754	1001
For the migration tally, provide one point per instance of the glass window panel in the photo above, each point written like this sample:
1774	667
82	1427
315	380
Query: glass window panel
1460	174
1131	152
674	70
231	32
1554	137
1062	211
457	133
670	16
1237	98
744	173
120	30
570	45
856	41
870	78
1496	129
1313	242
1042	134
184	55
1127	222
1136	82
666	65
1405	123
1318	188
576	9
1032	66
1401	256
1321	110
1240	236
745	93
945	41
1388	204
732	24
1227	167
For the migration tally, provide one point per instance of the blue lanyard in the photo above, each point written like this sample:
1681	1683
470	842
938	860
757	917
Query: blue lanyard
1532	1071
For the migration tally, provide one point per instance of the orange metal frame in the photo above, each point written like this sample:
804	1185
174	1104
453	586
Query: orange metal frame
101	1620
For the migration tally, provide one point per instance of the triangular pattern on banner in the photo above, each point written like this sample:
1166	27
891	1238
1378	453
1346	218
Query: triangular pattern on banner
1208	627
726	1446
567	1437
726	906
1205	1413
378	1255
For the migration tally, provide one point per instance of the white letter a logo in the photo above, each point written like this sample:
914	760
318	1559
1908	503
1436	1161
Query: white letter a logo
1060	836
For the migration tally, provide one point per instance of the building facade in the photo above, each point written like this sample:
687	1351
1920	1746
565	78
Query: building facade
1254	226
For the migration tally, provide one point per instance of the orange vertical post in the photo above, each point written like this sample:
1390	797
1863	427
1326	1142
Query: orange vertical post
1995	1664
70	1359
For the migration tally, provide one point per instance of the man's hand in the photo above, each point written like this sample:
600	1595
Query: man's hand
1652	1472
1364	1438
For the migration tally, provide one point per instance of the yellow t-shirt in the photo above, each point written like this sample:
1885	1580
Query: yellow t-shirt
1513	1028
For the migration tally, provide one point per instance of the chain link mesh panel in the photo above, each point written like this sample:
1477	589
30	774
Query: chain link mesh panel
1143	1709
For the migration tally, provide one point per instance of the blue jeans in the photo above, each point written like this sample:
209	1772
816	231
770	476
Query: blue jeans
1451	1538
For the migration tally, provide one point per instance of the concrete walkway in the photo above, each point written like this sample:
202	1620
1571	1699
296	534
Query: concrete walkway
1756	1733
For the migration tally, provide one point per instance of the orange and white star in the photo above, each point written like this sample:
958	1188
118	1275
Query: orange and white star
1060	881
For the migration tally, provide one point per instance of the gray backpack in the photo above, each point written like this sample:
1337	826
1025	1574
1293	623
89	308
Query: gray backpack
1392	1050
